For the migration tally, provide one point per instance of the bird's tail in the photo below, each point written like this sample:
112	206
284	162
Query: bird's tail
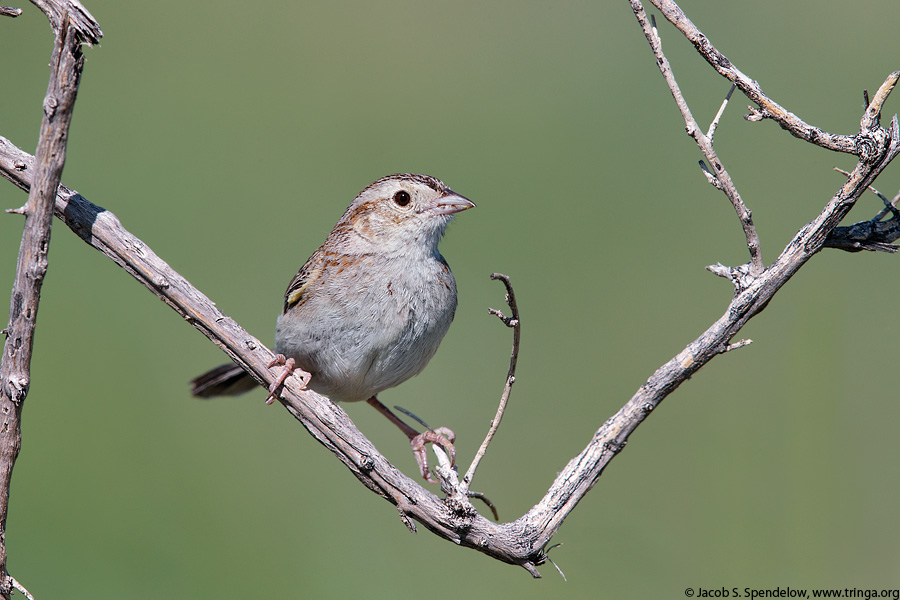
224	380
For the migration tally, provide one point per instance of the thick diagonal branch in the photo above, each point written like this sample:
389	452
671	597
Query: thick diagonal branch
325	421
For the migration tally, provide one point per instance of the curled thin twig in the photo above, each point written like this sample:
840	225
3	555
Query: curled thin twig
487	501
514	322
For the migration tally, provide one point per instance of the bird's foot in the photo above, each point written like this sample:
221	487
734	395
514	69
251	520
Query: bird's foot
441	436
289	367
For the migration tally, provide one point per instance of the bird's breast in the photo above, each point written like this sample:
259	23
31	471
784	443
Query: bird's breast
369	330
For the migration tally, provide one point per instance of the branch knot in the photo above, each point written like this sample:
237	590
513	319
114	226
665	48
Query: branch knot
872	145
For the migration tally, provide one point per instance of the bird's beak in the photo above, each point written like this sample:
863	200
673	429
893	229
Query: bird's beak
451	203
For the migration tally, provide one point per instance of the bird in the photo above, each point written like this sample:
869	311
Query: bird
369	308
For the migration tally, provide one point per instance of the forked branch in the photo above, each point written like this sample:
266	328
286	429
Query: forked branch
768	108
718	176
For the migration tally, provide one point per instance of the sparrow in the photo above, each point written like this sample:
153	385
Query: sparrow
370	307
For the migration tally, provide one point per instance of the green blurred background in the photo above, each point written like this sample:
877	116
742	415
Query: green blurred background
230	139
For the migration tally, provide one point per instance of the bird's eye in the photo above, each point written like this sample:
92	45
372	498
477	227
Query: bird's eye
402	198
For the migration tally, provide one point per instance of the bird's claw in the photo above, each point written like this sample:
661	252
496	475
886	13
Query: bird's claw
290	366
441	436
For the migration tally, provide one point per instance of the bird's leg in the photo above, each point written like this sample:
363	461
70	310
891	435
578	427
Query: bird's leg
441	436
289	367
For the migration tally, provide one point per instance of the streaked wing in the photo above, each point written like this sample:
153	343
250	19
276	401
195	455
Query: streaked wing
298	286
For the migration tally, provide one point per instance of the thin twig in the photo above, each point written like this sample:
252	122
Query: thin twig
890	206
546	554
872	116
8	11
516	324
487	501
715	122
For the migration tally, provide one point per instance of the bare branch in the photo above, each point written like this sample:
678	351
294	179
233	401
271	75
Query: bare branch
718	176
8	11
768	108
66	64
516	325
